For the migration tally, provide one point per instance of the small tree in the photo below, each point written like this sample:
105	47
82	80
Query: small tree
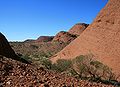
80	64
86	67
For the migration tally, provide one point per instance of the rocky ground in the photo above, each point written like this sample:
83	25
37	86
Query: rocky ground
17	74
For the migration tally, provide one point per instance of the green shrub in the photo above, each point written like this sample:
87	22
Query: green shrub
97	64
62	65
44	54
47	63
80	64
26	57
33	46
71	72
82	67
94	70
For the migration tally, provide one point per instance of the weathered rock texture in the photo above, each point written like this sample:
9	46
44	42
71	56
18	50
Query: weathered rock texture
101	38
78	28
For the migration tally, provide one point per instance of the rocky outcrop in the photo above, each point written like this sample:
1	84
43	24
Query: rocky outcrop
7	51
101	38
78	28
5	48
63	36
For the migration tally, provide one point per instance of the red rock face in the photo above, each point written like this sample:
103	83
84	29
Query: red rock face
5	49
44	39
77	29
101	38
63	36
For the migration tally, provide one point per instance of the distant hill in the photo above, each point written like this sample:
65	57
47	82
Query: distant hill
63	36
71	34
44	39
78	28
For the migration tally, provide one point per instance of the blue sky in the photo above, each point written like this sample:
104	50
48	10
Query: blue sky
29	19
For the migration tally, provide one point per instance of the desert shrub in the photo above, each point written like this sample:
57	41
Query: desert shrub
97	64
44	54
46	63
102	71
48	54
91	69
61	65
33	46
41	55
35	55
80	64
82	67
26	57
71	72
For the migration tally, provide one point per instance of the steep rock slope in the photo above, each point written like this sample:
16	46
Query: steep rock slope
101	38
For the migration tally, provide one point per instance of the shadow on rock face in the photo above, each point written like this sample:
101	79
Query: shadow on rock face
7	51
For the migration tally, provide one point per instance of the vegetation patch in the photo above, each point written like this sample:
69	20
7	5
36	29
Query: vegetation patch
62	65
84	67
